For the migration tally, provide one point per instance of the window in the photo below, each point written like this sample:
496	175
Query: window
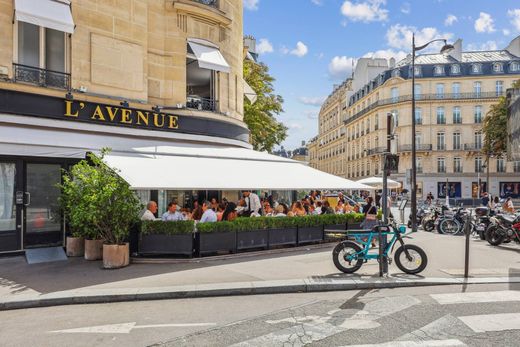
394	94
418	139
478	164
476	68
441	119
441	165
499	88
417	91
28	44
418	165
514	66
478	139
440	90
457	118
395	114
477	88
455	69
457	165
501	165
396	73
441	144
478	114
498	67
456	141
516	166
438	70
376	122
418	115
417	71
455	89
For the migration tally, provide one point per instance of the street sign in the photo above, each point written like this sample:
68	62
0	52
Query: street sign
391	163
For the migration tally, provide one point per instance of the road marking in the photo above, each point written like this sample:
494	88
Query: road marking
492	322
476	297
126	328
427	343
440	329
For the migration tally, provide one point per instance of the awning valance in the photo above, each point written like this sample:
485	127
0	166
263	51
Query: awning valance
52	14
208	56
179	168
249	93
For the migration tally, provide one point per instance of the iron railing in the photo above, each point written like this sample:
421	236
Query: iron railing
423	97
472	146
202	104
418	147
212	3
41	77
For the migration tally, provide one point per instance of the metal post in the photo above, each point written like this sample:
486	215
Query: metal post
488	186
383	264
466	255
414	153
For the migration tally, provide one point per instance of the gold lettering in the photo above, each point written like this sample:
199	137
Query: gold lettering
98	113
142	116
173	122
125	116
156	119
68	109
111	114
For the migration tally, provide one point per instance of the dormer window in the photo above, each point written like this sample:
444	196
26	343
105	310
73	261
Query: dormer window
438	70
455	69
476	68
396	73
514	66
381	78
498	67
417	71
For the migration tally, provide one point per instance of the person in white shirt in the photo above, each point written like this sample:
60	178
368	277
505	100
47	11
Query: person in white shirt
209	216
172	214
151	209
253	205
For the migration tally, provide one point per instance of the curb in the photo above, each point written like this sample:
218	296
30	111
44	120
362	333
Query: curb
100	296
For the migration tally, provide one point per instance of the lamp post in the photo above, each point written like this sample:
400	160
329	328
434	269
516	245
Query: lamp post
444	49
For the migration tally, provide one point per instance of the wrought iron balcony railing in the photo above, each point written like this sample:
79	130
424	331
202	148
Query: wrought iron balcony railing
202	104
212	3
418	147
472	146
41	77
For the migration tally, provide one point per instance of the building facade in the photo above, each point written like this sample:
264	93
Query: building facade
77	76
454	92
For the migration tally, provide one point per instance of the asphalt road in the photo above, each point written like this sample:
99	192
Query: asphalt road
483	315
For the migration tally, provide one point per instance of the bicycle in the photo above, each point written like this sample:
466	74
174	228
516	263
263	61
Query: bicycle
348	256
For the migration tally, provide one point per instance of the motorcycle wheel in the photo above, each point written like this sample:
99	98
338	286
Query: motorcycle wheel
412	266
429	225
493	236
340	254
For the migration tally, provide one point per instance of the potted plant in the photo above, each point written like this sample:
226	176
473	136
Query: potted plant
282	231
158	237
75	245
310	229
98	201
216	237
252	233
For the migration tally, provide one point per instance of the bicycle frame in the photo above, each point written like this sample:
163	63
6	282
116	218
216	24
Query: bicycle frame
365	240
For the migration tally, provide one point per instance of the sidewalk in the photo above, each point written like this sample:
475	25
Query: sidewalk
306	269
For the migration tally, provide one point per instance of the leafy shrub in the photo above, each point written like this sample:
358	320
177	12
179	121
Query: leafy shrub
167	228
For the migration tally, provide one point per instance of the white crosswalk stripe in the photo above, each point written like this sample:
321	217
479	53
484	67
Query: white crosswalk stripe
476	297
427	343
492	322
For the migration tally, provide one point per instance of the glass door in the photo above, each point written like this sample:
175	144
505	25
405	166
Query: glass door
10	226
41	201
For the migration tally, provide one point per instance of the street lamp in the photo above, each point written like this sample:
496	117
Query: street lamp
444	49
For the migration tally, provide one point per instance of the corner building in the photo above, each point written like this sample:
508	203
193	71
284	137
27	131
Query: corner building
132	75
454	92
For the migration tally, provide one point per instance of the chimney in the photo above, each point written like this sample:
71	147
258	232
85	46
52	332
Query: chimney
303	143
392	62
250	43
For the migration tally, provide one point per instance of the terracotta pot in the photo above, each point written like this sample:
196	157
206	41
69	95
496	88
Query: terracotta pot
93	249
116	256
75	246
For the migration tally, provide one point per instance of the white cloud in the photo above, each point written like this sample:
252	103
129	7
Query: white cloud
311	114
264	46
450	19
484	23
515	17
251	4
486	46
387	54
341	67
317	2
295	126
301	49
506	32
406	8
400	36
312	100
365	11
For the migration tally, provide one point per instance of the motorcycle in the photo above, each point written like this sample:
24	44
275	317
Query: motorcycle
422	212
503	228
482	221
428	222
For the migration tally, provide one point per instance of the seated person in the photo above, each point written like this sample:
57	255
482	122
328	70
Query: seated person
208	215
151	210
172	214
230	213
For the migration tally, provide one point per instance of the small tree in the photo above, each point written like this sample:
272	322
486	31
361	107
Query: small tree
97	202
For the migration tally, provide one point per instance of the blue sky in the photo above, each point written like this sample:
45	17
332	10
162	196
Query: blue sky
309	45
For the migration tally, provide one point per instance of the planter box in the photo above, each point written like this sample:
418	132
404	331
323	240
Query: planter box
310	234
333	227
216	242
252	239
279	237
166	244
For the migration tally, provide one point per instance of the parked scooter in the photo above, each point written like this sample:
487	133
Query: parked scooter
482	221
422	212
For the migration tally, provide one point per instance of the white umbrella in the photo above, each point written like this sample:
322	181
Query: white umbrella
377	183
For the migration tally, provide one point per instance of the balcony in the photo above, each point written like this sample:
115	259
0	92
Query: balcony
418	148
212	3
441	147
202	104
473	147
377	150
41	77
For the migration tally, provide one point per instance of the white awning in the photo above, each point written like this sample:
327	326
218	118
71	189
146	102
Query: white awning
52	14
214	168
377	182
249	93
208	56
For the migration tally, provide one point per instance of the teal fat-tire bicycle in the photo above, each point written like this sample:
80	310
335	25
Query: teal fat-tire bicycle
351	254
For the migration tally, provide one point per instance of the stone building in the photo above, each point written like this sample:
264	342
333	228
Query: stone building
454	91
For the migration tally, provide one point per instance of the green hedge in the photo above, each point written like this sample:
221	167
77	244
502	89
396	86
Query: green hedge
167	228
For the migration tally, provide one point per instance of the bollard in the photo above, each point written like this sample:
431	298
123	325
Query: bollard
467	231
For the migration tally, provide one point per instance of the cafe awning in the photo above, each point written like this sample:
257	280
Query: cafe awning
220	168
52	14
208	56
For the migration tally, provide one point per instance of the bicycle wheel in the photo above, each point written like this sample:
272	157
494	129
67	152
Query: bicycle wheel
417	262
449	226
346	257
429	225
